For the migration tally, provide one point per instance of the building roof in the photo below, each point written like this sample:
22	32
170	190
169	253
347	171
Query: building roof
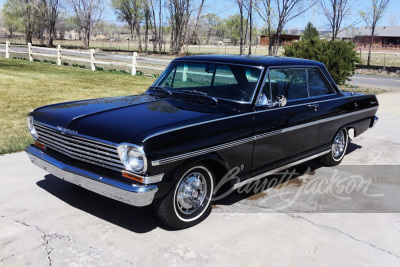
383	31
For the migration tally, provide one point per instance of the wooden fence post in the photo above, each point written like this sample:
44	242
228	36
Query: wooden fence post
93	67
59	55
7	49
30	52
134	63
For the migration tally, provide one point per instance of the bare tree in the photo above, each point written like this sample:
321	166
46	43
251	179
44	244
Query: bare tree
154	28
147	18
393	19
294	30
194	33
250	10
265	11
336	11
52	13
372	18
286	11
88	14
180	14
240	4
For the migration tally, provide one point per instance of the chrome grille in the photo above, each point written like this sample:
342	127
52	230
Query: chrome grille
80	148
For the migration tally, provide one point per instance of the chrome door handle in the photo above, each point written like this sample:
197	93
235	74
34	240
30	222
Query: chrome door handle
313	106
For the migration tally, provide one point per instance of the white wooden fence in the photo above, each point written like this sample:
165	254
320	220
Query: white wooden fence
93	61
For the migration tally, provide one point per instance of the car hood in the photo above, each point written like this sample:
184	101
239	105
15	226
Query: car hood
120	119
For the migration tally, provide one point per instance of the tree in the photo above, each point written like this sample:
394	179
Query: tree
288	10
9	23
128	11
265	10
179	11
336	11
310	32
52	9
240	4
194	33
250	12
372	18
339	57
25	15
211	23
234	28
87	14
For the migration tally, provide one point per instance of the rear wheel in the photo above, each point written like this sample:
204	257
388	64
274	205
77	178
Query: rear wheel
189	202
338	151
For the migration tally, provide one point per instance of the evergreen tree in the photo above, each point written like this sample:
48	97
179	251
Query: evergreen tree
339	57
310	32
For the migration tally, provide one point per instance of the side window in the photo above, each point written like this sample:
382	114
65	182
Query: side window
316	84
288	82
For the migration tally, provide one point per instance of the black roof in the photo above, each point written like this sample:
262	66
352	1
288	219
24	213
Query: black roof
253	60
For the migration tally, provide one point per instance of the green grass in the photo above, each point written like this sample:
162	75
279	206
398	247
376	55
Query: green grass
25	86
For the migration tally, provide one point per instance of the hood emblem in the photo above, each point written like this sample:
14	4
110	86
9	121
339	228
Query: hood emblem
65	130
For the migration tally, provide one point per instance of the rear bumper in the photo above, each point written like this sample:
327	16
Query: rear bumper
131	194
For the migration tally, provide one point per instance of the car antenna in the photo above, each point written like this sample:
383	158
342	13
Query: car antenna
352	93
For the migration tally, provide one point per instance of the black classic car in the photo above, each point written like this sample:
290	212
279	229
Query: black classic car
203	116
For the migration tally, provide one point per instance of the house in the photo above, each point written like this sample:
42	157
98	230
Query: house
283	38
383	36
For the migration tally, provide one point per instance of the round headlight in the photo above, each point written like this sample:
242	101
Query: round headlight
32	127
133	157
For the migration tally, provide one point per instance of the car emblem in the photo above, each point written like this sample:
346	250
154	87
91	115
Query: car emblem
64	130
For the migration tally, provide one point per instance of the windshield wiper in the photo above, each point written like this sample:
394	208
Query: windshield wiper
160	89
195	92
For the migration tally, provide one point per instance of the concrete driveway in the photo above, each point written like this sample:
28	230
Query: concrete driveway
46	221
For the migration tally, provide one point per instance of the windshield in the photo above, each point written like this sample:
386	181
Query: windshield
230	82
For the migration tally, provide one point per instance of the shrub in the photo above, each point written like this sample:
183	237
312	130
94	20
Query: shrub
339	57
99	68
78	66
139	73
64	63
49	61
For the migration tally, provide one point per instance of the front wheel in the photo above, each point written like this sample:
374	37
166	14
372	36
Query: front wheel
188	203
338	151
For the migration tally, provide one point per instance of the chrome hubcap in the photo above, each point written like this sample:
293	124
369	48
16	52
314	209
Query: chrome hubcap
339	145
191	193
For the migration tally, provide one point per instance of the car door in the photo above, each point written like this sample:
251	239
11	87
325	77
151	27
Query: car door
283	132
330	104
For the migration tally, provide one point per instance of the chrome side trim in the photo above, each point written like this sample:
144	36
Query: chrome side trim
202	151
240	184
131	194
238	115
253	138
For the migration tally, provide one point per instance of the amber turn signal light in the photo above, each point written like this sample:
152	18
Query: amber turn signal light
39	144
132	176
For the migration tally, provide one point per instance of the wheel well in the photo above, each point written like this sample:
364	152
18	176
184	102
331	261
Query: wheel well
218	168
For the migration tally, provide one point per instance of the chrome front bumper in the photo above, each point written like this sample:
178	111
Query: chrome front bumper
131	194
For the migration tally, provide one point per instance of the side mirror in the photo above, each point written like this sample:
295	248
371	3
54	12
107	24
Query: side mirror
279	102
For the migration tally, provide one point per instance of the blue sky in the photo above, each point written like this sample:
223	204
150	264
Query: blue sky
225	8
